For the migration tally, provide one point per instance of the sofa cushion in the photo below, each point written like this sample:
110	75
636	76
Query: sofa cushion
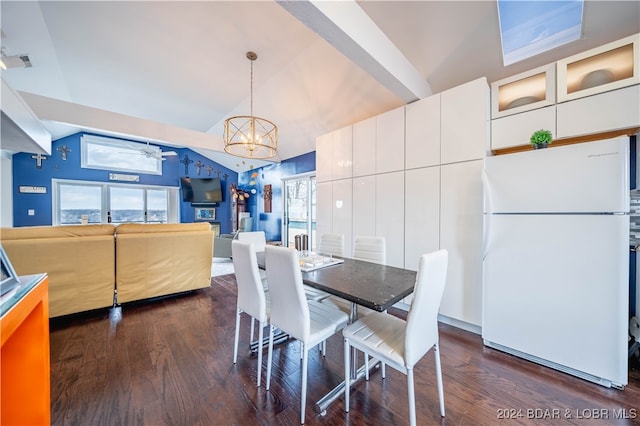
138	228
29	232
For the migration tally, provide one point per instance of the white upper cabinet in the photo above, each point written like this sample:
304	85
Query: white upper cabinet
598	70
324	158
334	155
342	153
614	110
390	141
465	122
516	130
523	92
423	133
364	147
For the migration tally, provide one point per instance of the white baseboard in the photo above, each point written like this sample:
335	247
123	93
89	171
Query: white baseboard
472	328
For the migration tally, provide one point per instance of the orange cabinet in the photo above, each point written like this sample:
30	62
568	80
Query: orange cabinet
25	391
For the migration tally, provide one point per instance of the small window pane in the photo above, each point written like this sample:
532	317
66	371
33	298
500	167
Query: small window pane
157	205
126	205
113	154
78	200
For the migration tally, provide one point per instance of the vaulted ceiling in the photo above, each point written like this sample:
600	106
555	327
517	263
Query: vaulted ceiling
171	72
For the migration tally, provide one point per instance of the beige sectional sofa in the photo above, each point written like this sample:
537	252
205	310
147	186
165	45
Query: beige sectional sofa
159	259
78	259
86	263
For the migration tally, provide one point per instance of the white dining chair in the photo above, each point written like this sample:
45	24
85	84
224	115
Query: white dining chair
258	238
331	243
370	249
252	298
401	344
308	321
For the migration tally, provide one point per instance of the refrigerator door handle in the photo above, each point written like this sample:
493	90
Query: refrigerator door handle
486	232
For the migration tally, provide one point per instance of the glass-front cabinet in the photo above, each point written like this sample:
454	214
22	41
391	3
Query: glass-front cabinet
523	92
609	67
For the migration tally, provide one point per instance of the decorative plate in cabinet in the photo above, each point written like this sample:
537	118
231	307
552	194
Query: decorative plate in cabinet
524	92
598	70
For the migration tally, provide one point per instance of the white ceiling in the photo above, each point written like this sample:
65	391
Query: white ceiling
173	71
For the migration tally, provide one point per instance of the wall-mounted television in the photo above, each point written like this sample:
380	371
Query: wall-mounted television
201	190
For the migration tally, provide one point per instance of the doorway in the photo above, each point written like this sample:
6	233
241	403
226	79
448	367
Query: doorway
299	209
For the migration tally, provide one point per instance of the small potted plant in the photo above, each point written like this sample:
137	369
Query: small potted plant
541	138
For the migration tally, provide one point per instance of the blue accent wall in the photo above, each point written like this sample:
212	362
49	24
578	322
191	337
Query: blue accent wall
26	173
271	223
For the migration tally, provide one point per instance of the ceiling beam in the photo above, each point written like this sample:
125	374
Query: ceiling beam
350	30
86	118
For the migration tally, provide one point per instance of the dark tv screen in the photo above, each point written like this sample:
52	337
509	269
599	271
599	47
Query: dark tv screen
201	190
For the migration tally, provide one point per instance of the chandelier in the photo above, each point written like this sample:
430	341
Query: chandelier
249	136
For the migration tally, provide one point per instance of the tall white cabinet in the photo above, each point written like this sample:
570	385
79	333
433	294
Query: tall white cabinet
390	215
461	234
405	163
334	169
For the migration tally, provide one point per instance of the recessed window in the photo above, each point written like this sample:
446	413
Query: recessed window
102	202
528	28
118	155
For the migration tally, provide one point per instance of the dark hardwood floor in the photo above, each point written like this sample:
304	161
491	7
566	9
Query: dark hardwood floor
169	362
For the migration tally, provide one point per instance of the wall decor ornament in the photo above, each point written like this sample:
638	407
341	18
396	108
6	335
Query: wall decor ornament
267	198
208	169
39	159
199	165
186	161
64	150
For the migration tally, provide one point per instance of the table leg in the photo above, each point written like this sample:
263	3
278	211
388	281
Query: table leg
356	373
338	391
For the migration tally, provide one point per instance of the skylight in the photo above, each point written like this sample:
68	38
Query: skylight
528	28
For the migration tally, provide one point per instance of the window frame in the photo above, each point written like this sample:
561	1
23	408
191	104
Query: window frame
126	148
173	200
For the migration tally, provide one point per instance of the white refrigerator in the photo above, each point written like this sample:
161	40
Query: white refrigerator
556	258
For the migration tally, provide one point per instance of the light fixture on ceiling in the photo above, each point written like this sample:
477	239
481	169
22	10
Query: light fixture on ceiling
14	61
249	136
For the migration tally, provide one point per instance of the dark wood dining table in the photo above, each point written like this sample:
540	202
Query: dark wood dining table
375	286
368	284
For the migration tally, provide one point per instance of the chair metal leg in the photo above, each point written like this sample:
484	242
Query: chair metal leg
269	356
235	343
303	392
436	353
260	337
253	324
412	397
366	366
347	375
